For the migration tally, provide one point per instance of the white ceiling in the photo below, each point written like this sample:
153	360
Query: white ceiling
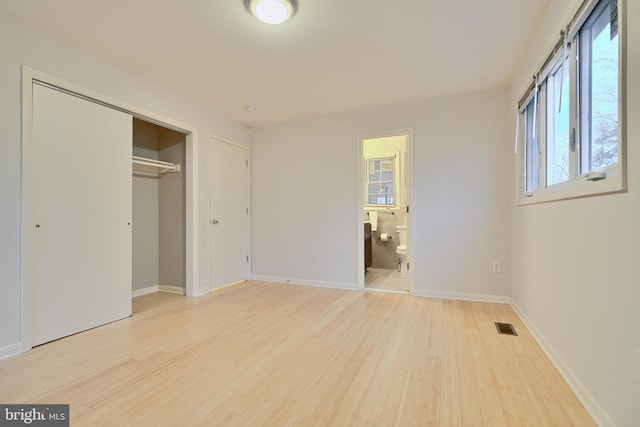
333	56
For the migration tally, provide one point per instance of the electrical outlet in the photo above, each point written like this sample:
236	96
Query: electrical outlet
638	364
496	267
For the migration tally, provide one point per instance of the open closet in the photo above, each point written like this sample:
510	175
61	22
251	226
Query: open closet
104	209
159	227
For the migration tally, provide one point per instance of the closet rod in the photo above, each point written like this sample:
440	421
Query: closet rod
164	167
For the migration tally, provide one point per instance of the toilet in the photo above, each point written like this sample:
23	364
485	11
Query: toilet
401	250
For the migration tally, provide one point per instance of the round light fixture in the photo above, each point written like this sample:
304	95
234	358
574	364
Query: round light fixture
272	11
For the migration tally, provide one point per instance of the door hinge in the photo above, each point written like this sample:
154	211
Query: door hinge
407	208
247	258
407	266
247	211
247	163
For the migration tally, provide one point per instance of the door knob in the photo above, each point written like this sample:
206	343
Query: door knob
214	221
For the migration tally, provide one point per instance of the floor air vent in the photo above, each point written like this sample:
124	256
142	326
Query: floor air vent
505	329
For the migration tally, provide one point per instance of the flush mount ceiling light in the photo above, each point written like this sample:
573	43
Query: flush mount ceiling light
272	11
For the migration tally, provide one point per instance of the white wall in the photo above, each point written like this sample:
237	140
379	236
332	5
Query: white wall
304	187
23	45
576	274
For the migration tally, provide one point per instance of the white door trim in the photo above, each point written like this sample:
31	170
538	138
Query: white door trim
248	150
28	77
360	203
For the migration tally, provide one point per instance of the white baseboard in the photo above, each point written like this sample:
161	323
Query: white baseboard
497	299
598	414
10	350
462	296
144	291
171	289
157	288
316	283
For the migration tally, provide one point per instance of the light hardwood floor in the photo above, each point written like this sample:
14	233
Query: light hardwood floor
263	354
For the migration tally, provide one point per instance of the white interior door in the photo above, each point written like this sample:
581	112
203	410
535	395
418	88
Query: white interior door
229	215
79	215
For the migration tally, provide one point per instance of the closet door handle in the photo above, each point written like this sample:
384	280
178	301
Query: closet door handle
214	221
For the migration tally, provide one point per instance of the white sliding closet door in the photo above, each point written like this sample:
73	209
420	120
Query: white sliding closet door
80	189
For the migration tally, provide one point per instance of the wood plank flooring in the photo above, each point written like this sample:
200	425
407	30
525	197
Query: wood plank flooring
264	354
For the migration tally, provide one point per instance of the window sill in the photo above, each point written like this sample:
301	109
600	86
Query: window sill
578	188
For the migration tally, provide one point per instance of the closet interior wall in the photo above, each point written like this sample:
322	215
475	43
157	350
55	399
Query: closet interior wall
159	207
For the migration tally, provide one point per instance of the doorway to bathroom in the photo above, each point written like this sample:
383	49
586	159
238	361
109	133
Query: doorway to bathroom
384	208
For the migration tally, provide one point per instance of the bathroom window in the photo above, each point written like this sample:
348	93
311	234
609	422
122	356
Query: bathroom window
381	185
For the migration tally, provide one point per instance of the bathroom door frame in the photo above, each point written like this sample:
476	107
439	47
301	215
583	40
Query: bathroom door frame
360	202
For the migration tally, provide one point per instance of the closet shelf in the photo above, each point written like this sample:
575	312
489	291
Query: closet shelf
142	164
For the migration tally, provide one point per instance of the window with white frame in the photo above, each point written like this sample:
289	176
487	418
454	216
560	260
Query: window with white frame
381	182
598	92
558	128
572	137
